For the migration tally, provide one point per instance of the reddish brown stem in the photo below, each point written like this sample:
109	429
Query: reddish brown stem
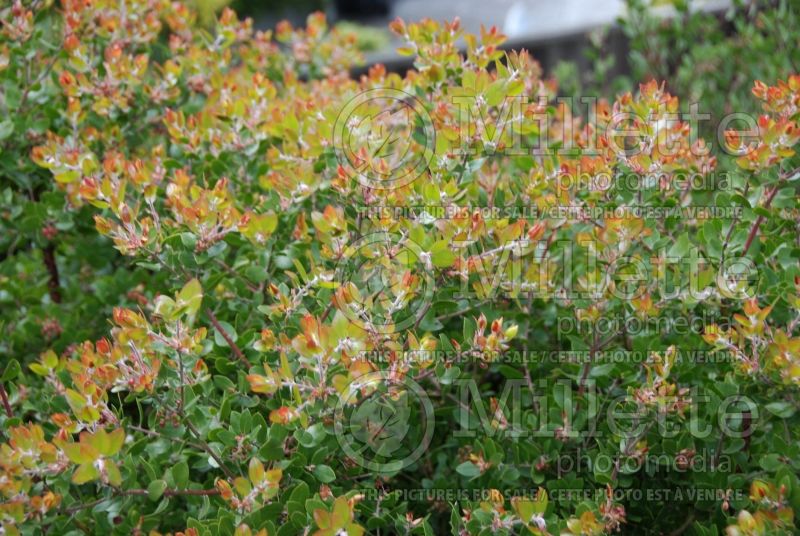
237	352
6	403
54	284
172	492
327	310
759	221
49	258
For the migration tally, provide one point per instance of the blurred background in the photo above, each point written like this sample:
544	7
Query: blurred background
709	52
553	30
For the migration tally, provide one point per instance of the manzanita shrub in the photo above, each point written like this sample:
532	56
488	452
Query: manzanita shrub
246	293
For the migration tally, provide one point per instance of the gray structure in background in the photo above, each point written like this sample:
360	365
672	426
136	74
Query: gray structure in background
552	30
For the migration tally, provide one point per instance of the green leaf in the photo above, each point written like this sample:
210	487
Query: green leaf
85	473
180	472
156	489
219	339
771	462
761	211
113	474
190	297
495	93
781	409
468	469
324	474
6	129
680	247
12	371
442	255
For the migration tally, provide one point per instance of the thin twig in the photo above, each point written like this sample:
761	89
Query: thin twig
328	309
49	260
682	528
125	492
734	221
459	312
6	403
42	75
153	433
421	316
754	230
628	446
205	446
234	273
759	221
224	334
53	283
587	367
173	492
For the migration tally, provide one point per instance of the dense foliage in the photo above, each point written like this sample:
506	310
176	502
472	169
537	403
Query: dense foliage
243	292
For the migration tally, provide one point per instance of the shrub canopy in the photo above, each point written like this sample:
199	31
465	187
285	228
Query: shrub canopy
244	292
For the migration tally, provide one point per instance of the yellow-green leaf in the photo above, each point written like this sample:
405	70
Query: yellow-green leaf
85	473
